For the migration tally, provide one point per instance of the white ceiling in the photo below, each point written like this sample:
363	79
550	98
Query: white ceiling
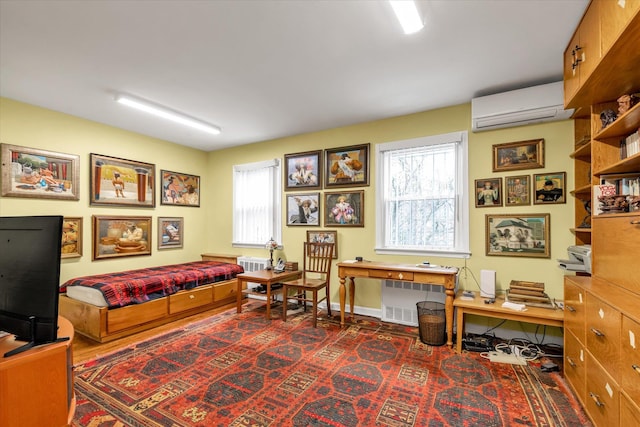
268	69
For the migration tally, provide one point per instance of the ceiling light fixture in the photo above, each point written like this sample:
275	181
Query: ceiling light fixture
407	13
167	113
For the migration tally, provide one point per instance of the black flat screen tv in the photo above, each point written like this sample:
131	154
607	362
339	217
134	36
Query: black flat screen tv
30	249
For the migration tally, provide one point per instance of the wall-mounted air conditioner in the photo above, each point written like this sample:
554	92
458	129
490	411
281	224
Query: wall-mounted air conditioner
526	106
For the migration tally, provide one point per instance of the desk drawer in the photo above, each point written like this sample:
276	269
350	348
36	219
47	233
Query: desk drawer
574	364
391	275
629	412
603	396
603	334
630	358
574	303
186	300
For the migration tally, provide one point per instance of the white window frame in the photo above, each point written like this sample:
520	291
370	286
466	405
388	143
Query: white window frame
276	223
461	246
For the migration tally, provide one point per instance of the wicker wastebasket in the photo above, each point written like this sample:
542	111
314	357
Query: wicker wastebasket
431	322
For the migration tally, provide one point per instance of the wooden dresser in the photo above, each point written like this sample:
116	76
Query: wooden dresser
602	312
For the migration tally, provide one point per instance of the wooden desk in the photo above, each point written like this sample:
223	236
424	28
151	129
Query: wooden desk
537	315
265	277
445	277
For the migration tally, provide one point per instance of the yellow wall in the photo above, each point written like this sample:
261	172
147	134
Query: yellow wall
208	228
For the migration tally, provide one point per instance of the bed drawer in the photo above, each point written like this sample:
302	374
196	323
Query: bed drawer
226	290
186	300
134	315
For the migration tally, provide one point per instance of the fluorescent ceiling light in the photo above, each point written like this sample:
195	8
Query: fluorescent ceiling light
167	113
407	13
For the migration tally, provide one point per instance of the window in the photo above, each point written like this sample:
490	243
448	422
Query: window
256	203
421	197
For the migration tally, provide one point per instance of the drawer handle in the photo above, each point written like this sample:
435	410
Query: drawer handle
597	332
596	398
571	309
192	296
635	222
571	362
636	368
400	276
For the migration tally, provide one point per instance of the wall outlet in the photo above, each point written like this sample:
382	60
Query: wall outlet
501	357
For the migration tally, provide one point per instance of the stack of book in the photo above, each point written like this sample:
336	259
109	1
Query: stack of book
627	185
630	145
528	293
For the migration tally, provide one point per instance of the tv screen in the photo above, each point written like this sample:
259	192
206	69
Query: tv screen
30	277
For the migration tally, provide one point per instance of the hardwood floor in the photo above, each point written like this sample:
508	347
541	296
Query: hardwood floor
86	349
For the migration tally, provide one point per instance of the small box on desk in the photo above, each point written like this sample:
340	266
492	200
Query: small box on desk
291	266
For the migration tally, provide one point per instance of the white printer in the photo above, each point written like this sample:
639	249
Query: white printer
579	259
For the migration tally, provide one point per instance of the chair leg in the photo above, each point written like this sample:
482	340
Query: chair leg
326	289
284	303
315	308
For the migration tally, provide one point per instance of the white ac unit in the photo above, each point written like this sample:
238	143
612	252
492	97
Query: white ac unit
526	106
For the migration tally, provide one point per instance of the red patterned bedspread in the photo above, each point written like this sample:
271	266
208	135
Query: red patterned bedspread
137	286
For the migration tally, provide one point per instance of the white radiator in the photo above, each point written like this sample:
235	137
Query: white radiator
399	300
252	264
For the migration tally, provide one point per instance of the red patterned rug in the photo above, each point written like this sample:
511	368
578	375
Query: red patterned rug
241	370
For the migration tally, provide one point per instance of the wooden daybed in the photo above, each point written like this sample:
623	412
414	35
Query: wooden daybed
105	324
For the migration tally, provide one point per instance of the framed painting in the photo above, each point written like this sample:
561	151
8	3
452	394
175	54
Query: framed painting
522	235
488	192
121	182
517	190
303	170
324	236
170	233
518	155
121	236
71	237
550	188
344	209
179	189
347	166
41	174
303	209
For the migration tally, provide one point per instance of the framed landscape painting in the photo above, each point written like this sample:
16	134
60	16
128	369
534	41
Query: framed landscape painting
41	174
121	236
518	155
303	170
179	189
344	209
170	233
121	182
347	166
521	235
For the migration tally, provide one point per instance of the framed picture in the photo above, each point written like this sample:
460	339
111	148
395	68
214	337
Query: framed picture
29	172
324	236
303	209
121	182
120	236
550	188
170	233
347	166
488	192
518	155
517	190
71	237
303	170
179	189
344	209
522	235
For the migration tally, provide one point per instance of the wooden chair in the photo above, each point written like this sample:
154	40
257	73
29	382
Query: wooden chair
316	273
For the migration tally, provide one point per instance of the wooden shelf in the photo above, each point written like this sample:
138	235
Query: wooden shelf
624	125
616	215
581	191
628	165
580	230
583	152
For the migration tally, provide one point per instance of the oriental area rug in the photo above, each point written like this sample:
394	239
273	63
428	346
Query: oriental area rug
242	370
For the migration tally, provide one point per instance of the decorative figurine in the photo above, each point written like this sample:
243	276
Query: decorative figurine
586	221
607	117
625	102
613	204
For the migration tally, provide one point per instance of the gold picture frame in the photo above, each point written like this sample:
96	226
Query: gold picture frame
71	237
324	236
170	233
121	182
519	235
121	236
518	155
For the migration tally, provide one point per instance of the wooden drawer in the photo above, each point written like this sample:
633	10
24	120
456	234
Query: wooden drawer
226	290
574	364
603	334
630	358
134	315
629	412
574	304
603	396
616	245
186	300
391	275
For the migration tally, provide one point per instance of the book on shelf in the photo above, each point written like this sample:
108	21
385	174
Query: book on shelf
630	145
615	185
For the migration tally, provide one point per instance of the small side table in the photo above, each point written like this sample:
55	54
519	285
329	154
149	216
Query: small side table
264	277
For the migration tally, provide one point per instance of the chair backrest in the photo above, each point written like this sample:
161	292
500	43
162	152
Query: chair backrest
317	258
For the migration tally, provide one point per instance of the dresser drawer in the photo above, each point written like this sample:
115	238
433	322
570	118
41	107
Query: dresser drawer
630	358
603	334
629	412
134	315
186	300
602	397
574	364
391	275
574	308
226	290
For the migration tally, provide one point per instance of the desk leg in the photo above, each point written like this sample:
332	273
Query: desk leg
268	300
448	310
352	294
460	323
342	292
239	296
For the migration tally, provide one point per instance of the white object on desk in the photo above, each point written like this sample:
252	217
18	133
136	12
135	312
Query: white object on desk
514	306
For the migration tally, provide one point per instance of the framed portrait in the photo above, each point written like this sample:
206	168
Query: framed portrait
303	170
121	182
344	209
303	209
521	235
518	155
347	166
170	233
488	192
517	190
120	236
324	236
179	189
41	174
550	188
71	237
